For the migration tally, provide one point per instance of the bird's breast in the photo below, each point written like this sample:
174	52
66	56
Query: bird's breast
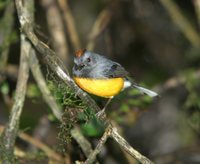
106	88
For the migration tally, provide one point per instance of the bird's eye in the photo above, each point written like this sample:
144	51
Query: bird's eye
88	60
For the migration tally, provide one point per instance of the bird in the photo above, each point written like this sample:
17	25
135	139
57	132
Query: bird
101	76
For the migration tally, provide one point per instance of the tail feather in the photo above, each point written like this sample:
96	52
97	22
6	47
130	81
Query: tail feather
146	91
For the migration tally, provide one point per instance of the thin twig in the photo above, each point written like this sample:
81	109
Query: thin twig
70	23
185	26
48	151
100	145
99	25
56	29
82	141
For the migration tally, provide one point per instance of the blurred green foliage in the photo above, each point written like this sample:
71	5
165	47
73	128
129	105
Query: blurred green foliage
3	3
93	128
192	103
33	91
131	102
4	88
192	86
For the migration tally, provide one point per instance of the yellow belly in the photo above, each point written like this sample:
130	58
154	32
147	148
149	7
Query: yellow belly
101	87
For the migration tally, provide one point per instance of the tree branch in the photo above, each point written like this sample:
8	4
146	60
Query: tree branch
10	132
100	145
38	76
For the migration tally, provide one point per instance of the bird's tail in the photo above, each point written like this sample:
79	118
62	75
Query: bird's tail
130	83
145	91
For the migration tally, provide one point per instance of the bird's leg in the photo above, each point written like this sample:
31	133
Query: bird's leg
101	112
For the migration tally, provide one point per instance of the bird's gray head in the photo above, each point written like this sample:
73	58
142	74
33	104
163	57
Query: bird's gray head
84	62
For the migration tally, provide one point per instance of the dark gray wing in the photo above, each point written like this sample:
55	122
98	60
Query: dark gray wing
115	70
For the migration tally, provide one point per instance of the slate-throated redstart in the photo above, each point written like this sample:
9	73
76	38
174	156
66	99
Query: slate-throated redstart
101	76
